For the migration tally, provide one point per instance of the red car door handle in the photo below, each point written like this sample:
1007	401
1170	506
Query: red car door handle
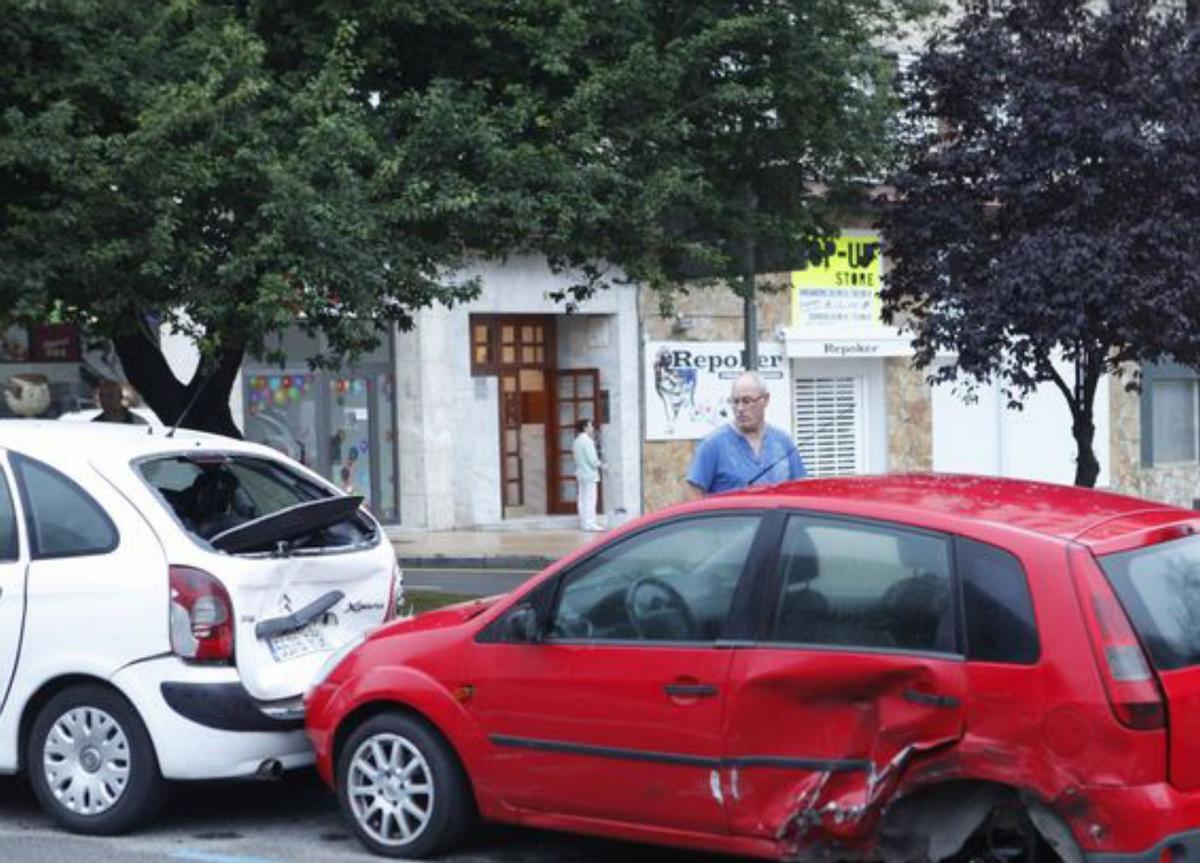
690	690
932	699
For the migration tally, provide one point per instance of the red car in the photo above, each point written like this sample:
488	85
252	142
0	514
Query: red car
898	668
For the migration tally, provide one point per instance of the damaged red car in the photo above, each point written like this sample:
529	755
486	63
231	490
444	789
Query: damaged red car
897	668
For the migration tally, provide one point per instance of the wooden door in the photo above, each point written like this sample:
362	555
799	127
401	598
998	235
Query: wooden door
511	474
575	396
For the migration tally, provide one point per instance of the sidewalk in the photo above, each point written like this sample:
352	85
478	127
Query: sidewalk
512	546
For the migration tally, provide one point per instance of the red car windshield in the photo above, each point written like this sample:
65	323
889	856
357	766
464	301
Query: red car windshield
1159	587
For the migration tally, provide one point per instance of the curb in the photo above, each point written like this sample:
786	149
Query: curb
442	561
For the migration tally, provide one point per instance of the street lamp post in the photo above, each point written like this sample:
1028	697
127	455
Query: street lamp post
749	292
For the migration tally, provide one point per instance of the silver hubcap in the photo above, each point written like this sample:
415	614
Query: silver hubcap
390	788
86	760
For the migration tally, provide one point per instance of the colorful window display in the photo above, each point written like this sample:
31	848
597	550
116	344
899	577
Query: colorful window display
341	425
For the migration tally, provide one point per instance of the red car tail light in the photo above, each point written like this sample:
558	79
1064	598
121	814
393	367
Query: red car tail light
1129	683
201	616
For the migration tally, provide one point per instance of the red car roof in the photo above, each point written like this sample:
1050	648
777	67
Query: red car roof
1098	518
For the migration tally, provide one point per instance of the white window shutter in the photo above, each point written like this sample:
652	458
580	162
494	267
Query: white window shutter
829	429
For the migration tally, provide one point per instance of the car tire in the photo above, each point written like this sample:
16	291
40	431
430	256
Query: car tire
91	762
402	789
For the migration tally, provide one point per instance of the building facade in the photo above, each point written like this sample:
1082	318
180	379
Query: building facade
489	393
854	404
467	420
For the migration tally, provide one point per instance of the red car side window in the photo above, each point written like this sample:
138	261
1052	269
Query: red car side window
674	582
854	584
997	606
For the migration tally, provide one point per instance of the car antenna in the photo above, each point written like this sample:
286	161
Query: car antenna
766	470
191	403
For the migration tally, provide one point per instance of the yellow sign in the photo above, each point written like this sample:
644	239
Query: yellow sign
842	288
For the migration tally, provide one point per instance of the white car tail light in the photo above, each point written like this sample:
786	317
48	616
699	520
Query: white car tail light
201	616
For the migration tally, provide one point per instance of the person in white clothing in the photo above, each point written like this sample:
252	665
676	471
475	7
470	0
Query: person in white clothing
587	474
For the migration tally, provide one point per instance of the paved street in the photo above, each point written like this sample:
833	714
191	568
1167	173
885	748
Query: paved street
471	582
294	821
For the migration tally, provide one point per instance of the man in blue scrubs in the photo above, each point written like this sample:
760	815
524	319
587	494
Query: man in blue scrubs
748	451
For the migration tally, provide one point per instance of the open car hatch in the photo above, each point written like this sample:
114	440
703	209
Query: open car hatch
294	522
305	567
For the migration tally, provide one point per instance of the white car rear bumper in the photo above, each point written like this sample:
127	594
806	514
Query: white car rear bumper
205	726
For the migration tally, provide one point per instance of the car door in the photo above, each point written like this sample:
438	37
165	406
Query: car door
12	585
97	582
616	712
858	675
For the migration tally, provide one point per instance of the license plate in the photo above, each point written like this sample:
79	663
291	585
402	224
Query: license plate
299	643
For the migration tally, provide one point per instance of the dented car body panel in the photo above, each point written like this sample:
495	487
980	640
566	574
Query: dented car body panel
895	668
837	731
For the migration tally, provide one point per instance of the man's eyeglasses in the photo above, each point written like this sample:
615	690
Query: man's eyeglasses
745	401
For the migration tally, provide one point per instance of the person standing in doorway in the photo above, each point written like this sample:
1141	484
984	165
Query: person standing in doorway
587	474
746	452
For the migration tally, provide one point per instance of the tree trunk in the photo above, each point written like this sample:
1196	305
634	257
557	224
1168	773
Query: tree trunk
202	404
1087	466
1081	399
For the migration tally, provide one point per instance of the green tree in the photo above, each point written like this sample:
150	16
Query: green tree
232	168
1050	207
158	168
660	137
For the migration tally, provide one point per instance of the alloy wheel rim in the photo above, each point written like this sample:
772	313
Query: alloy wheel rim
390	789
86	761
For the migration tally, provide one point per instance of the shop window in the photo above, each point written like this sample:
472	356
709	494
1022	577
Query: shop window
45	373
341	424
1170	429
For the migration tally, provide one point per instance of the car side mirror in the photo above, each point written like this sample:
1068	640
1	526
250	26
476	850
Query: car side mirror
522	625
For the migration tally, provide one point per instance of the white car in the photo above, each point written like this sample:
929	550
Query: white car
165	602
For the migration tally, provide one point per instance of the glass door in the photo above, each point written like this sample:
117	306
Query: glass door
361	458
576	397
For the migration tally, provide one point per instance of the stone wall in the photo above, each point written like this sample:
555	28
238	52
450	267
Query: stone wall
909	417
1177	483
711	314
666	462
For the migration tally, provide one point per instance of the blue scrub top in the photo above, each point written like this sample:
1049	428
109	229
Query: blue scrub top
725	460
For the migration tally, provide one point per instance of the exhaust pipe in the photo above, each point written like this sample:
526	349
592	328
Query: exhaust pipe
271	769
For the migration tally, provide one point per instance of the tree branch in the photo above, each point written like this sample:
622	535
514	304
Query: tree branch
1046	369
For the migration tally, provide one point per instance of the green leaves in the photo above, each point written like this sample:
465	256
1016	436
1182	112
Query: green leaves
238	167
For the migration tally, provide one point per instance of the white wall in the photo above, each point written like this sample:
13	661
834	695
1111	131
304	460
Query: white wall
1034	443
424	398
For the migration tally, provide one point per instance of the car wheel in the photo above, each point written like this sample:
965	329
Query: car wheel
402	788
91	762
